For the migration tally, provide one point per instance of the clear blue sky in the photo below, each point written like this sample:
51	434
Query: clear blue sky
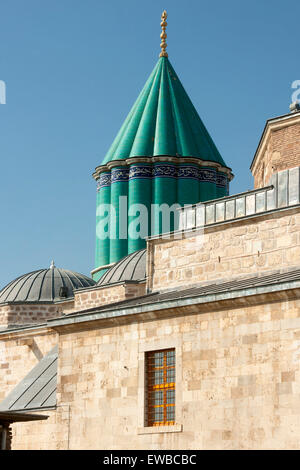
73	68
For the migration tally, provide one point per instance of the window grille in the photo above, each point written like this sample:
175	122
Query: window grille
161	387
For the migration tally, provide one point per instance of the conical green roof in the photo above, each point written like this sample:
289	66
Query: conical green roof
163	121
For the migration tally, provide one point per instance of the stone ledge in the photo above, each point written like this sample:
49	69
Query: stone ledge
82	290
174	307
183	234
160	429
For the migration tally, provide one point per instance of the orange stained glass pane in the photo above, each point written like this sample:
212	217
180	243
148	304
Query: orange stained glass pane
161	387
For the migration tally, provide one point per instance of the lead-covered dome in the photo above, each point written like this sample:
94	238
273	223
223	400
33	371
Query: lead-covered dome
130	268
44	285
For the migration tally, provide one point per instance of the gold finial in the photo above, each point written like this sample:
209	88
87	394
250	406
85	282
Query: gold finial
163	36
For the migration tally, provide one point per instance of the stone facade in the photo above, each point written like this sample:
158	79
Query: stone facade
237	382
52	434
26	313
102	295
19	353
237	353
228	250
279	149
237	360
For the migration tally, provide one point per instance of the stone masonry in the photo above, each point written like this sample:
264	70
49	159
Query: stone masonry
278	150
237	355
25	313
102	295
19	353
229	250
238	381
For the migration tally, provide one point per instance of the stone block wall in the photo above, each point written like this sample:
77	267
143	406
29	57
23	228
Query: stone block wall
278	150
102	295
237	380
25	314
19	353
230	250
52	434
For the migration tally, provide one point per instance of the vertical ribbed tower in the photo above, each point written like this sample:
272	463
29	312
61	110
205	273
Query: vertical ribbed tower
162	154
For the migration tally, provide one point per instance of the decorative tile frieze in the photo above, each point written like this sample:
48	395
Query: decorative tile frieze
221	180
191	172
165	171
104	180
207	175
119	175
140	171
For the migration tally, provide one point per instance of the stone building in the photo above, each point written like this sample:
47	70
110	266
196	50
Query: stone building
184	340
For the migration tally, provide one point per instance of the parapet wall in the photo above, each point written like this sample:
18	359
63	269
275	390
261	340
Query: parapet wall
283	191
245	234
98	296
227	251
26	313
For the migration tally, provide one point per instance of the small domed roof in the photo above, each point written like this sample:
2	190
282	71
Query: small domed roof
130	268
44	285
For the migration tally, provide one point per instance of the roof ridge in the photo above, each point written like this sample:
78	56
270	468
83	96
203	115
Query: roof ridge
153	91
177	105
17	280
163	106
142	252
133	258
116	143
164	129
37	273
207	140
41	286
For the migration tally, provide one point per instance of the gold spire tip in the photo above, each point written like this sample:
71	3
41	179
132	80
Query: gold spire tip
163	36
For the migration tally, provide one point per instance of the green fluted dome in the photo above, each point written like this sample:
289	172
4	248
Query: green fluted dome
163	121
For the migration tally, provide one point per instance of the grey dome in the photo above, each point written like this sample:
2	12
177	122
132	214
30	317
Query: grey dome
130	268
44	285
